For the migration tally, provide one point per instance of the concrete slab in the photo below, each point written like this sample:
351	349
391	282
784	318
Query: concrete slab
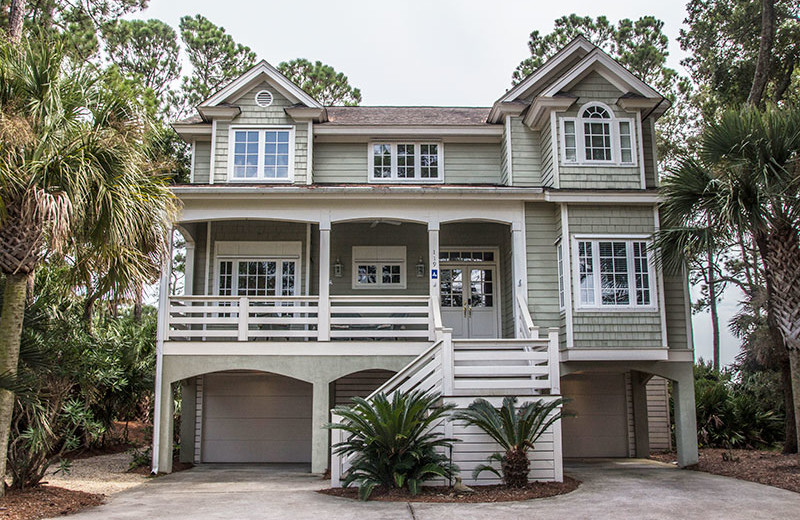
611	489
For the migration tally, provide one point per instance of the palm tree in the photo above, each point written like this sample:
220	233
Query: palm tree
74	176
756	159
515	429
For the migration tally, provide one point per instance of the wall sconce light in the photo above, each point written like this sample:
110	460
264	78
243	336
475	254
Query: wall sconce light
338	268
421	268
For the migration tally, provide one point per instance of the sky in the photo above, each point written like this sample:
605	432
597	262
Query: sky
434	52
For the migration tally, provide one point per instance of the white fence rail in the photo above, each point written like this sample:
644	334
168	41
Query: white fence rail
380	317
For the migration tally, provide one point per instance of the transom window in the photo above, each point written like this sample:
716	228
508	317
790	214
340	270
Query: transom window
405	162
596	136
262	154
613	273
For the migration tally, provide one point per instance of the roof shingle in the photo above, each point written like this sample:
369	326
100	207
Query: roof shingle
408	116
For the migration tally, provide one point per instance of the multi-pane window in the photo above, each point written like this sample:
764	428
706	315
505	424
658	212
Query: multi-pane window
618	271
381	161
257	278
452	287
262	154
375	275
421	162
597	136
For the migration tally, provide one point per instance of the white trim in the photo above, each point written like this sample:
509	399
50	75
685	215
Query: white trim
212	170
567	276
655	293
615	354
687	305
615	134
660	279
308	259
188	270
509	153
394	179
289	89
555	149
194	155
244	251
207	274
410	349
261	129
640	148
310	154
415	132
497	286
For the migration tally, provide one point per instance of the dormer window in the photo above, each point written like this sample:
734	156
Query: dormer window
262	154
597	137
412	162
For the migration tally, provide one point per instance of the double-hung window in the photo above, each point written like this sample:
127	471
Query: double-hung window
405	162
613	273
597	137
262	154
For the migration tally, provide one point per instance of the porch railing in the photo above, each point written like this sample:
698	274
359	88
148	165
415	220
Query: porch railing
297	318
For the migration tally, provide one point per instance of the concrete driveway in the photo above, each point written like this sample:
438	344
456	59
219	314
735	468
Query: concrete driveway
618	490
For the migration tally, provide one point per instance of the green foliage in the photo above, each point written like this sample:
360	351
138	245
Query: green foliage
146	50
737	410
215	57
321	81
391	442
722	40
71	384
515	428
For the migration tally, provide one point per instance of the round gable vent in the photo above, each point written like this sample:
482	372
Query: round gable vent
264	98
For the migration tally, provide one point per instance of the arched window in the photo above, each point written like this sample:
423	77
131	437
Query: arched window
597	136
596	133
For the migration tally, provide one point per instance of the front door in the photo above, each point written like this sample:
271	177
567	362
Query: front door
469	300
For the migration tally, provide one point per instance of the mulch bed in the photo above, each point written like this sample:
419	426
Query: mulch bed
764	467
45	502
495	493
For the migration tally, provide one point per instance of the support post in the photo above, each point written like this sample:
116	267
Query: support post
519	272
554	361
162	331
188	273
640	420
244	317
188	418
324	309
320	449
448	364
685	416
433	260
336	462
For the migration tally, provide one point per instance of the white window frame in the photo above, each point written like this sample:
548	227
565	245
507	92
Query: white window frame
379	256
278	273
562	295
598	306
261	129
393	178
251	251
580	142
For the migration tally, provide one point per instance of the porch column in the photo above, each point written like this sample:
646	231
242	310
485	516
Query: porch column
162	418
188	418
433	259
188	271
324	310
165	414
685	415
320	443
641	426
519	270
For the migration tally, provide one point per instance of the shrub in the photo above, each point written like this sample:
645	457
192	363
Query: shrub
392	443
515	429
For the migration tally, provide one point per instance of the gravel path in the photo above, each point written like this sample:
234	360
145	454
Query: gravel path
105	474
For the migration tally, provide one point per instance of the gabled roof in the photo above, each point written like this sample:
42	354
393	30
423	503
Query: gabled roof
259	72
561	72
407	116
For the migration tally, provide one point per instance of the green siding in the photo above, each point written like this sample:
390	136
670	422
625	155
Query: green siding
472	163
650	162
202	161
253	114
526	156
594	88
619	329
548	170
464	163
340	163
676	306
504	166
541	234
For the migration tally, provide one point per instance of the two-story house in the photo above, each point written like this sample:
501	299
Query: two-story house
471	251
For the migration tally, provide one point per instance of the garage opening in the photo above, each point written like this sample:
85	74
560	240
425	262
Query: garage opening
255	417
600	425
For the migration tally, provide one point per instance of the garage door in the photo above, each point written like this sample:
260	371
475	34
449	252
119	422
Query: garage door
255	417
600	427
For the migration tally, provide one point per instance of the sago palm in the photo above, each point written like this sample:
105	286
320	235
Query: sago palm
392	442
74	175
515	429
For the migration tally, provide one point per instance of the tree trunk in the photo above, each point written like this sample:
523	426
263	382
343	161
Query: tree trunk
16	15
712	301
761	76
137	305
794	361
790	440
13	312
